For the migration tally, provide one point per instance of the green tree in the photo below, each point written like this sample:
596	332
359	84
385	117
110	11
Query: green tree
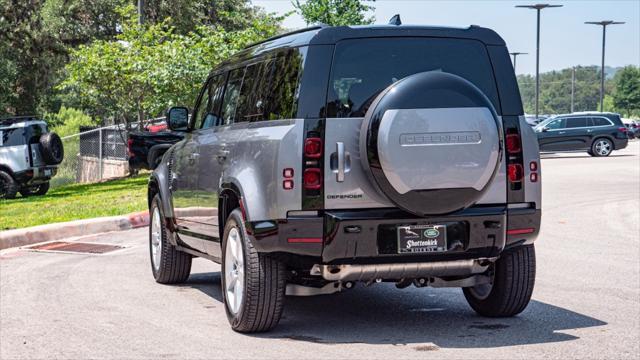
555	91
187	15
150	67
626	95
334	12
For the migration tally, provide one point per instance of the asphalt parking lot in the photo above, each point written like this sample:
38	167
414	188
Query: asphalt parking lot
586	303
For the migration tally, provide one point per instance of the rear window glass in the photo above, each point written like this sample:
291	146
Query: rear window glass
362	68
598	121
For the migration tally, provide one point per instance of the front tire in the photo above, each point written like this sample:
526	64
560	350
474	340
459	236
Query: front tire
168	264
601	147
510	291
253	284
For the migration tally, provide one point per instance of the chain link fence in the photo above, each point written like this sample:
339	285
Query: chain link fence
95	154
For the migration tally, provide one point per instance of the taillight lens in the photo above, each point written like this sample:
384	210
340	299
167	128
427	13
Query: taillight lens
313	148
513	143
515	172
129	143
312	178
622	129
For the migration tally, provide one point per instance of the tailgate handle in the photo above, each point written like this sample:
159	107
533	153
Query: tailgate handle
340	162
340	151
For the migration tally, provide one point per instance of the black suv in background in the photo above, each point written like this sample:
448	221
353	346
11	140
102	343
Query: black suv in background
597	133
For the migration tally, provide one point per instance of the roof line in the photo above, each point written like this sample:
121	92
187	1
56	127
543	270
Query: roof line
311	28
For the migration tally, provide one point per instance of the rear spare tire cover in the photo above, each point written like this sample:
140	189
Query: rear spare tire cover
52	148
432	142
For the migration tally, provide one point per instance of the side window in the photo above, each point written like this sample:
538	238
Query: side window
576	122
201	105
556	124
598	121
231	94
12	137
249	100
281	99
211	116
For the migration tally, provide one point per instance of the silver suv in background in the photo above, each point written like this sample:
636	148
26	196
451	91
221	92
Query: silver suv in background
29	156
333	156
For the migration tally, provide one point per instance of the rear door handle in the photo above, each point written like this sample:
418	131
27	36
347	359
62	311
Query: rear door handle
561	132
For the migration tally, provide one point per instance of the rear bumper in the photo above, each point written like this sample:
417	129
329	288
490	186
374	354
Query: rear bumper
365	237
36	175
620	143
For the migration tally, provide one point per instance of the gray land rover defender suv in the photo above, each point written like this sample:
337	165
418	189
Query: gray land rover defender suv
29	156
333	156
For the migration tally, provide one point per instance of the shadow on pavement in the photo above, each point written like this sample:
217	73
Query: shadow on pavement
382	314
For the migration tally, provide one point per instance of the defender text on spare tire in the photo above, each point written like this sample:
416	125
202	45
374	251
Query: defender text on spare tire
336	155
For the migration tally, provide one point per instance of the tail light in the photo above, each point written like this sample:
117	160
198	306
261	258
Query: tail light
622	129
129	144
515	172
312	178
313	165
513	143
313	147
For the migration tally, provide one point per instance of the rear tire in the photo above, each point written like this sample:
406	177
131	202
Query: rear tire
39	190
253	284
8	186
601	147
168	264
513	282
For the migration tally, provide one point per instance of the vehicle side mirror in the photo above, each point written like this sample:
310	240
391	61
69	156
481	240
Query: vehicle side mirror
545	129
178	118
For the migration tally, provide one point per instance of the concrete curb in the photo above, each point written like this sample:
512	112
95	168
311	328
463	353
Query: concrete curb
58	231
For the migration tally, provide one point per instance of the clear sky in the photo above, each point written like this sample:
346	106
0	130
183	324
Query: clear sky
565	40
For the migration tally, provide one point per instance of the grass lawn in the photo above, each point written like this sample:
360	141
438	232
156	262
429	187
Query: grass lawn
76	201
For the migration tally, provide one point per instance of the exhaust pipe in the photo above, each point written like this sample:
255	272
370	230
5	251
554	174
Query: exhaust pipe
401	270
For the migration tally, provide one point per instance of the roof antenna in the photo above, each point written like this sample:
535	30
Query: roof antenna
395	20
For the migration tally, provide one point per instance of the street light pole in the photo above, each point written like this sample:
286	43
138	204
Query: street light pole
604	24
515	55
538	7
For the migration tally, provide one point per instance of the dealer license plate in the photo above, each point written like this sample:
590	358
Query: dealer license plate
422	238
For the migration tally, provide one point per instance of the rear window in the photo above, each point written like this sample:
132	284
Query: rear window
362	68
600	121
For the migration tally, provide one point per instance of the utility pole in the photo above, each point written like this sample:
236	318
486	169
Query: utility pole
604	24
140	12
538	7
573	86
515	54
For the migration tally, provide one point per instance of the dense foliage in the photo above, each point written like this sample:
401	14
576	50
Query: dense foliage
92	54
148	68
555	91
334	12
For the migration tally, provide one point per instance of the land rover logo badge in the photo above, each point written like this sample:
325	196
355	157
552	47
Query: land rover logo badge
431	233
